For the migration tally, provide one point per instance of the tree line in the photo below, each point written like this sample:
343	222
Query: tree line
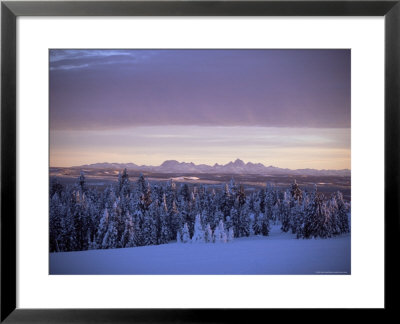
137	214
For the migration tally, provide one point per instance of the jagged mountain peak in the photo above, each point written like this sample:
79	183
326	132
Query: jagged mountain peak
232	167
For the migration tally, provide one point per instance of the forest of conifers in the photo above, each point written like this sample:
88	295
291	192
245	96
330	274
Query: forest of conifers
131	214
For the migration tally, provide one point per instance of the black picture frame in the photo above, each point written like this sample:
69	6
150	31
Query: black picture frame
10	10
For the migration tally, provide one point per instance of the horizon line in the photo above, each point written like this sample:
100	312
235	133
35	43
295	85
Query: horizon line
210	165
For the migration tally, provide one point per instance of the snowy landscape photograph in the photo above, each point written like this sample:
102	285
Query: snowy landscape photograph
199	162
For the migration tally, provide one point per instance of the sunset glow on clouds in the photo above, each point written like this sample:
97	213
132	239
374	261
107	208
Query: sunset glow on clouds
287	108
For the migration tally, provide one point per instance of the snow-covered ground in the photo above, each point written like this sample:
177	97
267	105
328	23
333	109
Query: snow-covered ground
279	253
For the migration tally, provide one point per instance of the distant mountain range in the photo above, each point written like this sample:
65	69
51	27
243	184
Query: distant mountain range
236	167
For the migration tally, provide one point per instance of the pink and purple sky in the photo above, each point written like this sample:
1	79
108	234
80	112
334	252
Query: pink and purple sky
287	108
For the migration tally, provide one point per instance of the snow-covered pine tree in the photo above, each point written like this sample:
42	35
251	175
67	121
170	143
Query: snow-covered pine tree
176	222
55	230
55	187
245	225
184	210
259	203
192	213
332	207
124	184
150	224
208	235
258	223
296	192
314	216
170	197
164	235
216	234
265	225
228	222
231	235
276	213
67	234
269	202
234	217
82	182
233	188
249	211
157	192
128	236
79	229
207	213
91	243
252	224
184	193
327	226
138	221
185	234
220	234
170	193
285	212
218	216
110	240
144	193
178	237
342	215
297	215
241	196
199	234
119	220
225	201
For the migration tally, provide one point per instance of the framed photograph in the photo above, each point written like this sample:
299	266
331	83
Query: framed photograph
154	152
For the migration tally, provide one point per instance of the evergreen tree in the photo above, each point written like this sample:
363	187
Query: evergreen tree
258	223
150	224
245	224
123	183
110	239
220	234
296	192
164	228
226	202
297	216
178	237
128	236
91	243
184	193
314	217
199	234
269	202
231	235
332	207
79	229
276	213
138	220
56	187
176	221
56	229
341	213
208	235
185	234
144	193
217	218
285	212
259	203
265	226
82	182
102	229
234	218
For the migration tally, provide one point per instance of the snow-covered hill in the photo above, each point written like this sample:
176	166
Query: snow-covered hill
235	167
279	253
